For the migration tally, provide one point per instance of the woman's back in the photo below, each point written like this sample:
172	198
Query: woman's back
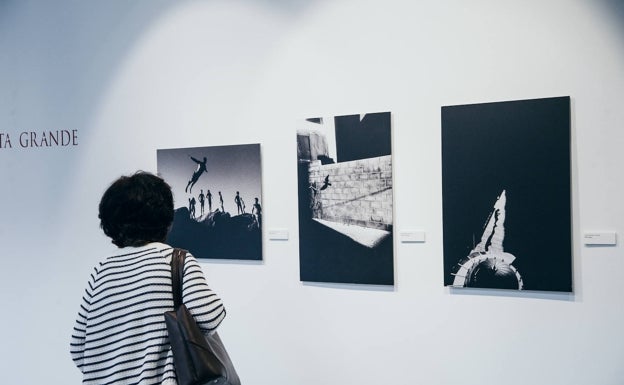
120	335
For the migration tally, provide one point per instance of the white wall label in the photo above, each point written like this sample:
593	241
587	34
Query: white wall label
278	234
599	238
411	236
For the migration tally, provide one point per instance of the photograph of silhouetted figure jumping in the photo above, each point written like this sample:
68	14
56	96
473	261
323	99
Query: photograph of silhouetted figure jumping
345	199
326	183
234	172
201	168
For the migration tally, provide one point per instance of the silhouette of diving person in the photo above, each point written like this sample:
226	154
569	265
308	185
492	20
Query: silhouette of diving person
202	199
201	168
221	201
325	183
257	209
240	205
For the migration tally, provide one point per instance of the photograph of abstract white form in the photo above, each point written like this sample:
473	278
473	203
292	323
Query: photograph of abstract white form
217	198
488	264
345	199
507	196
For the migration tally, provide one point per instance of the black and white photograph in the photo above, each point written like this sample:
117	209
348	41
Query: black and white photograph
345	199
507	195
217	198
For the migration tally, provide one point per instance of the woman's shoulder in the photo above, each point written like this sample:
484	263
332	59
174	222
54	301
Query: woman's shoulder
155	249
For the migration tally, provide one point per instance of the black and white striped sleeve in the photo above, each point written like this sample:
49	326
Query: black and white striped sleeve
77	343
202	302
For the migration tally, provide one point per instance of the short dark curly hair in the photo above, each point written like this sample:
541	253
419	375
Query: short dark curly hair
136	210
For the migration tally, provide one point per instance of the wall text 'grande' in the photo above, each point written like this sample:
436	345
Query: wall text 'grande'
39	139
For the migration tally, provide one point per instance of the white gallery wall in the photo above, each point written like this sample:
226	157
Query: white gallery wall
133	77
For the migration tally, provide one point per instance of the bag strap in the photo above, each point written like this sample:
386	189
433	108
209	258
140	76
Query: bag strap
177	275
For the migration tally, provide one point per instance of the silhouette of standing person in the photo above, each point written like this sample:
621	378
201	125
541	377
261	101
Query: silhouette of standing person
201	168
201	201
239	205
221	201
192	202
209	196
257	209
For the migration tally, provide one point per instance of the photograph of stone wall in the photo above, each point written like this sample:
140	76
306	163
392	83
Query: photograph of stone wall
361	192
346	199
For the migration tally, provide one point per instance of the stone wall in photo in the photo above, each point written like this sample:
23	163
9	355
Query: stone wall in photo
359	193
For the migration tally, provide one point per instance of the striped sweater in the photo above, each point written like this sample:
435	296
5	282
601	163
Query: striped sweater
120	336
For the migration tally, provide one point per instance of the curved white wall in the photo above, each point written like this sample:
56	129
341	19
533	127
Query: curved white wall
134	77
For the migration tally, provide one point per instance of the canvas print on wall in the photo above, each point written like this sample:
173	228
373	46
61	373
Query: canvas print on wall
506	195
218	201
345	199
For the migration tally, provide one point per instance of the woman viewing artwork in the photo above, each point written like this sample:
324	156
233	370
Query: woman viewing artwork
120	336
